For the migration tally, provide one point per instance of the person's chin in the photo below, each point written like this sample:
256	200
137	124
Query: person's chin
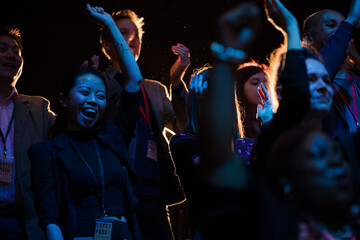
87	124
320	112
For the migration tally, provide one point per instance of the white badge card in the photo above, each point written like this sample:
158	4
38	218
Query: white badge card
103	229
6	170
152	150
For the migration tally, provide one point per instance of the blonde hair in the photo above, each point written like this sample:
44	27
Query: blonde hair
276	61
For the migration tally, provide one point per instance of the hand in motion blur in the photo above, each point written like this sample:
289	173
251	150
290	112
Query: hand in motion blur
279	16
283	20
354	14
265	110
198	86
239	26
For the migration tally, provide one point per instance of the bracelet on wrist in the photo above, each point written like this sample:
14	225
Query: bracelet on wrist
229	54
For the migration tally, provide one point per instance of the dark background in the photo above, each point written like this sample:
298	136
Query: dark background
57	36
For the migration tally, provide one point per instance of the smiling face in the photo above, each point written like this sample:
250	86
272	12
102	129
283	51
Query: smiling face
131	35
86	102
321	93
11	61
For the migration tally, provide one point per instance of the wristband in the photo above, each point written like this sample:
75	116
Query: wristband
228	54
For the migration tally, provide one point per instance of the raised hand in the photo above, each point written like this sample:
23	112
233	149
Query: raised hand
183	54
197	85
178	69
354	14
279	16
94	62
265	110
239	26
98	15
282	19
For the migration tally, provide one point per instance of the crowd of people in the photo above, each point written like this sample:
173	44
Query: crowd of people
246	151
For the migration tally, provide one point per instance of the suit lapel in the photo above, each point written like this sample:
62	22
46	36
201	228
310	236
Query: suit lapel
62	148
155	102
21	116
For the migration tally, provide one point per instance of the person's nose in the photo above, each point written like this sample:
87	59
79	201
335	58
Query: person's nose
321	86
92	100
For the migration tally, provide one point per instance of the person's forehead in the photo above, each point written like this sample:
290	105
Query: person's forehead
332	16
4	39
88	79
126	23
313	65
259	75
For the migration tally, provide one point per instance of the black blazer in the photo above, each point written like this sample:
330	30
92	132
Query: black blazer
51	169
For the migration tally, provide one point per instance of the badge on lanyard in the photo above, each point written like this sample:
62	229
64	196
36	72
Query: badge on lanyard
6	163
152	150
103	229
152	145
104	225
6	170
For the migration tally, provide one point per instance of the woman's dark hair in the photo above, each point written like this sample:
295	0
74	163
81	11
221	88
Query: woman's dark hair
193	104
244	72
67	85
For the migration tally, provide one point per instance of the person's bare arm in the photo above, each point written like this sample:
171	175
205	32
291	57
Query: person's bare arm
126	58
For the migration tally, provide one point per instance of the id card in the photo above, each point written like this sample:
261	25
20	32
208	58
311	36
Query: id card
6	170
104	225
103	229
152	150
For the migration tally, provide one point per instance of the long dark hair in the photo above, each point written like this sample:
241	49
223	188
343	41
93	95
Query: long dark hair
67	85
244	72
193	108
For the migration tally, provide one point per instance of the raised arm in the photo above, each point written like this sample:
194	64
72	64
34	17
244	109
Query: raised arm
353	16
279	16
333	53
126	59
181	64
220	166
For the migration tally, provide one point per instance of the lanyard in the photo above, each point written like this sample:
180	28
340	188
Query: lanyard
147	115
103	212
3	138
353	113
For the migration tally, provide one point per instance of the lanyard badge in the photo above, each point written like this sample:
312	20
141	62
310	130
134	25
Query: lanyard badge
104	226
152	145
6	162
6	169
152	150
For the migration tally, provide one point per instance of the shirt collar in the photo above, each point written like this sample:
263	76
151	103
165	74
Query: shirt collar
10	98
